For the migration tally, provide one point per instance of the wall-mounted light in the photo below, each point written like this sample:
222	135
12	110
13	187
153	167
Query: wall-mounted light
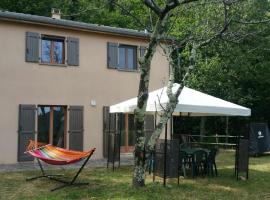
93	103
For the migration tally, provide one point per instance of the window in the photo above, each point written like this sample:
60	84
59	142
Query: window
122	57
52	50
52	125
127	57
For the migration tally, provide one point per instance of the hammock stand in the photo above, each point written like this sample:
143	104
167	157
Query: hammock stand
45	153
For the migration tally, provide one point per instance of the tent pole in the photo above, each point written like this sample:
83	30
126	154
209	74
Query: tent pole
119	140
154	153
165	157
114	138
109	141
171	127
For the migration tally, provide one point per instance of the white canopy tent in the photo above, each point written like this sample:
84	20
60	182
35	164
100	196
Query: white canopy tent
190	102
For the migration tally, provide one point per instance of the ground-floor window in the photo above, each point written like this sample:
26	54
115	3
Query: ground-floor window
52	125
48	124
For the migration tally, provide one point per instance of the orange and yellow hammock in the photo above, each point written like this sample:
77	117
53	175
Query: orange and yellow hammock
56	155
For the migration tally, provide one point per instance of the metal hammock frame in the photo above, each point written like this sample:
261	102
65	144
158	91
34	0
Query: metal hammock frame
37	146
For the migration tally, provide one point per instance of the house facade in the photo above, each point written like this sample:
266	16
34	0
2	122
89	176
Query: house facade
58	77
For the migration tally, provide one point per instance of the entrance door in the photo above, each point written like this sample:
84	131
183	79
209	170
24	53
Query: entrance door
52	125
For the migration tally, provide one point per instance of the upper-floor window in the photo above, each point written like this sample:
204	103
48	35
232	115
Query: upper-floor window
127	57
123	57
52	50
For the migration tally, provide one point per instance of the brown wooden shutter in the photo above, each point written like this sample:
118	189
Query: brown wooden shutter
32	47
76	128
106	131
27	118
73	51
112	55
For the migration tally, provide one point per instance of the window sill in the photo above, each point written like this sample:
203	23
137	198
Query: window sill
128	70
53	64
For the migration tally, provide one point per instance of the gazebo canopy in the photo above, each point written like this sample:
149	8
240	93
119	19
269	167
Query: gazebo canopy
190	102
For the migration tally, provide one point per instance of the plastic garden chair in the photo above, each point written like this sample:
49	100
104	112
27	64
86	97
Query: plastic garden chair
211	162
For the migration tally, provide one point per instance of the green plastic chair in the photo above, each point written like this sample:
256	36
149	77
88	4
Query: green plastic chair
199	163
211	162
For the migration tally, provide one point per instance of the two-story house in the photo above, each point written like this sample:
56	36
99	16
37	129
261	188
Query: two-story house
57	77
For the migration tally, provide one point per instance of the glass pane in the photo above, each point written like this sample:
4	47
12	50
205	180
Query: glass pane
58	52
122	58
45	51
43	124
130	58
58	126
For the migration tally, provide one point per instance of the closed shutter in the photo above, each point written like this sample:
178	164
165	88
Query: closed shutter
112	55
73	51
108	131
32	47
149	126
142	50
76	128
27	118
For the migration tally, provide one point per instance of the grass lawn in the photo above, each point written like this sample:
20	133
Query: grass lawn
104	184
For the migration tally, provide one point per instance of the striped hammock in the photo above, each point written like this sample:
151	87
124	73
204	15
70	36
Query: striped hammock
56	155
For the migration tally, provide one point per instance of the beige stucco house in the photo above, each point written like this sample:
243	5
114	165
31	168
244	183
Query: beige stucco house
58	76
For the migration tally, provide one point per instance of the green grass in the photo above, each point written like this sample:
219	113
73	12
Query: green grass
104	184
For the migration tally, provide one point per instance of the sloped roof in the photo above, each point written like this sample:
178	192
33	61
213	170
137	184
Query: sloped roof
35	19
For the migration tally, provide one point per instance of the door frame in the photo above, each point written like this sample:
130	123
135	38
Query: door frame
126	148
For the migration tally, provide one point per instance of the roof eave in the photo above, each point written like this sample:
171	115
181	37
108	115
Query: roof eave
67	24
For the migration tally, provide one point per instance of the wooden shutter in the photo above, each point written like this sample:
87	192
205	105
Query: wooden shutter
32	47
73	51
149	126
76	128
27	118
106	131
142	50
112	55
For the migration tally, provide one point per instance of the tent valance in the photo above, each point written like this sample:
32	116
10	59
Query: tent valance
190	102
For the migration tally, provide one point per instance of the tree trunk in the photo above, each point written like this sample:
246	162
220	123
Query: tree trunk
145	63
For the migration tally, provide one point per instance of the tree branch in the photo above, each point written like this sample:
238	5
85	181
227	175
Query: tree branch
153	6
252	22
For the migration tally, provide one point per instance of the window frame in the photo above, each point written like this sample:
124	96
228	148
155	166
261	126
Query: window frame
64	51
135	57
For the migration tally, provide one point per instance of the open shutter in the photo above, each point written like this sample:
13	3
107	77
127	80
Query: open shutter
142	51
108	130
149	126
27	117
73	51
112	55
32	47
76	128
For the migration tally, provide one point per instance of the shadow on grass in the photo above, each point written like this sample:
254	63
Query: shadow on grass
105	184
